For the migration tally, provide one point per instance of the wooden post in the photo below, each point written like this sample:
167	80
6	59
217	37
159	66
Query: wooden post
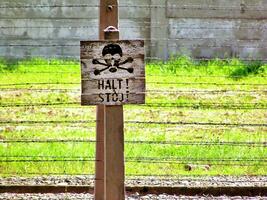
114	153
99	163
108	16
113	143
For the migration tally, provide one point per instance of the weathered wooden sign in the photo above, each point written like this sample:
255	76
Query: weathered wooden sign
113	72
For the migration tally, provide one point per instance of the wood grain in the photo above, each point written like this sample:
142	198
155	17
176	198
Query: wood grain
114	153
99	82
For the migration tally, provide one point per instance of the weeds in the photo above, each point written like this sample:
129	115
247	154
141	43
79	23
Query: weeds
251	68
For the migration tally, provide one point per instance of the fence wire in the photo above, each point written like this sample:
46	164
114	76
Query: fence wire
139	142
8	156
158	83
127	6
148	91
193	105
136	123
146	39
150	75
200	63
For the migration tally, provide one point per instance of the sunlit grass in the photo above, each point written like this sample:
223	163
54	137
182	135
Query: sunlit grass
181	81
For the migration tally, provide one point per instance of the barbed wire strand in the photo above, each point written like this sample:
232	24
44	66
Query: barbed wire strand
195	105
191	177
74	60
136	122
150	82
148	24
181	46
148	91
174	7
152	75
147	45
160	64
218	163
142	26
178	143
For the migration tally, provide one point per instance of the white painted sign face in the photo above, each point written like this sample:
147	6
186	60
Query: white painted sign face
113	72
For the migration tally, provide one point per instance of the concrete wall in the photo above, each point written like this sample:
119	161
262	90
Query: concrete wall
229	28
199	28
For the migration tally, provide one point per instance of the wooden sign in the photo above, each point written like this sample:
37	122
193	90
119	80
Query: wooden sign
113	72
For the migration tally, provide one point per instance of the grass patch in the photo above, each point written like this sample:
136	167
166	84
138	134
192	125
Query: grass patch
214	91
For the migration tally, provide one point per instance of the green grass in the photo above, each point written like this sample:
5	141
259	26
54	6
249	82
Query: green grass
214	90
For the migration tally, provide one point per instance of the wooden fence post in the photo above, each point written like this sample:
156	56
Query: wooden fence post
113	143
99	163
108	16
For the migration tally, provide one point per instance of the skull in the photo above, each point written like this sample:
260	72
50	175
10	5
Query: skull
112	54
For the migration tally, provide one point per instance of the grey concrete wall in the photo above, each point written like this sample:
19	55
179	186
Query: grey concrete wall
199	28
44	26
226	29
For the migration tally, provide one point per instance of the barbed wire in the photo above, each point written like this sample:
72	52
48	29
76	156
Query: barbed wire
218	162
49	6
195	123
135	122
206	83
178	7
150	82
129	176
183	46
192	177
194	105
89	127
152	23
40	83
14	173
164	72
151	75
128	159
178	143
13	104
75	60
141	26
148	91
147	58
76	44
209	59
221	159
153	129
47	121
195	63
196	7
149	45
206	178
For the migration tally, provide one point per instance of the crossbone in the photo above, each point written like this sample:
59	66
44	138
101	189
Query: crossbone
116	64
112	55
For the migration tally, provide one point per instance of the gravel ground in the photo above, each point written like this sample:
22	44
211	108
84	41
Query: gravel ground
252	181
146	181
68	196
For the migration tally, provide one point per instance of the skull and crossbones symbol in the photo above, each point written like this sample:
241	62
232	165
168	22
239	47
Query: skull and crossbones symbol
112	55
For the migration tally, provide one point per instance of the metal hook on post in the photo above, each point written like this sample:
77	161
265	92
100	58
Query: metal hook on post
111	33
109	8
